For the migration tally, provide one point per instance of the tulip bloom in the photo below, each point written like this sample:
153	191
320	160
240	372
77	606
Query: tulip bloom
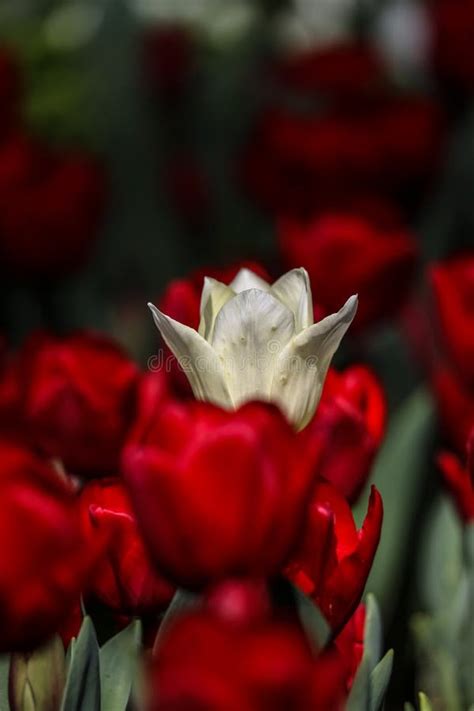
222	493
453	286
46	555
78	403
376	263
459	480
349	426
258	342
334	559
455	403
125	580
208	659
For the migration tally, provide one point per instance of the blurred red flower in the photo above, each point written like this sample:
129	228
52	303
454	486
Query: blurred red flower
168	60
303	163
78	399
219	493
455	405
46	555
452	282
459	479
51	203
124	579
349	426
334	559
208	659
344	71
345	255
453	30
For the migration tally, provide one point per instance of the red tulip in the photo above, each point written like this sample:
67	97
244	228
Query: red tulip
334	559
455	405
459	479
344	71
219	493
346	255
208	659
349	644
168	60
78	402
125	580
453	29
46	555
453	287
349	425
50	208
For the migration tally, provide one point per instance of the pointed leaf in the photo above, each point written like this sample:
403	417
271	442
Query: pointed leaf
359	697
379	681
82	692
182	600
118	664
425	703
314	624
372	631
4	672
38	677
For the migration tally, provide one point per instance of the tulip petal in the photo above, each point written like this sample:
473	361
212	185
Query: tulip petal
302	366
250	332
293	289
214	296
198	359
246	279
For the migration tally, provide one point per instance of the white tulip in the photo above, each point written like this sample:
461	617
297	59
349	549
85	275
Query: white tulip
258	341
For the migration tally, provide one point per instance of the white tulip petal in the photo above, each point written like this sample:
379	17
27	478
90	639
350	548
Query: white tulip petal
294	290
197	358
250	333
214	296
246	279
302	367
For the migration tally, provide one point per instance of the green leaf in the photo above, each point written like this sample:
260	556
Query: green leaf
359	697
408	707
4	672
182	600
314	624
379	681
399	474
372	631
425	703
118	664
36	679
82	692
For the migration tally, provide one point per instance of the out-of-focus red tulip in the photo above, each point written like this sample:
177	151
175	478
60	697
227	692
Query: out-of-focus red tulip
208	659
349	426
343	71
46	555
188	189
334	559
124	580
78	402
220	493
305	163
10	85
455	402
168	60
453	287
347	255
459	479
453	29
50	208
